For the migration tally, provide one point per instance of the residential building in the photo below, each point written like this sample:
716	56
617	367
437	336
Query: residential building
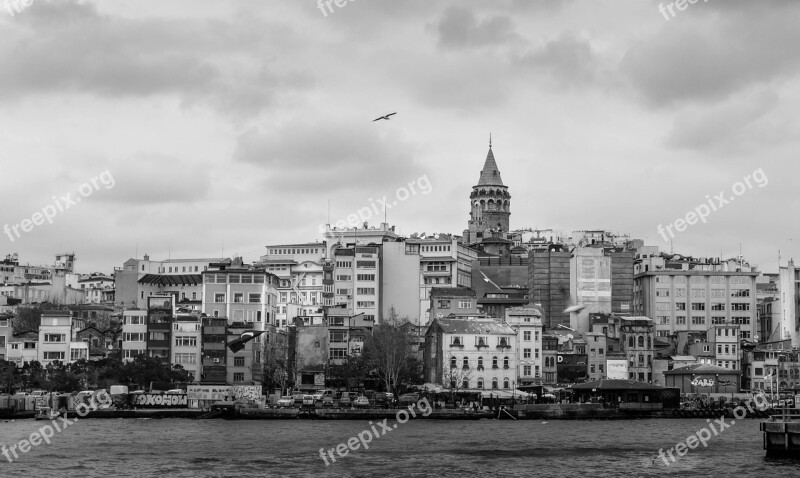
134	334
357	280
240	293
6	333
187	343
549	283
550	358
99	288
472	352
160	314
23	347
527	324
101	342
58	338
452	300
299	269
788	325
214	351
239	365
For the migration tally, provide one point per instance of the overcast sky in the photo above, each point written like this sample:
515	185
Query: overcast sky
227	126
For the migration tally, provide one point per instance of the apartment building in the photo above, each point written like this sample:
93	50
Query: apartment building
479	350
240	293
58	338
134	334
187	342
6	333
299	269
527	325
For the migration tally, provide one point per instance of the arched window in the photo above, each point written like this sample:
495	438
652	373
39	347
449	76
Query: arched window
480	363
480	383
505	383
465	384
649	342
494	383
630	341
641	341
505	363
466	362
494	362
452	362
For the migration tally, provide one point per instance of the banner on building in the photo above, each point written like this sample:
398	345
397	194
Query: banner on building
617	369
154	400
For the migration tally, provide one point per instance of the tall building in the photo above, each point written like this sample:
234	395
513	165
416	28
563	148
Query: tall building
187	343
240	293
490	204
788	324
549	282
134	333
300	272
527	323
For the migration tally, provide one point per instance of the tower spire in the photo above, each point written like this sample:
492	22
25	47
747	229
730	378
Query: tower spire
490	140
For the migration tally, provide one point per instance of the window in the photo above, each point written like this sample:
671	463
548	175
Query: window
238	361
505	362
526	353
338	336
133	337
741	320
453	362
464	304
494	362
481	341
662	292
663	319
480	383
680	305
238	297
480	363
680	319
698	320
717	320
506	383
134	320
365	304
55	338
465	363
536	353
717	306
436	267
185	341
526	370
238	377
219	298
456	340
698	306
591	368
363	277
600	351
365	264
740	306
54	355
338	353
494	383
186	358
365	290
526	335
254	298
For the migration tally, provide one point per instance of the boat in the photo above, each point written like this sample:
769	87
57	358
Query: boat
46	413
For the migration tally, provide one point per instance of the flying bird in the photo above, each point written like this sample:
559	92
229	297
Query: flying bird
385	117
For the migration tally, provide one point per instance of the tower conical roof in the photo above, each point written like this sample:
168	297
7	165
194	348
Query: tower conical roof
490	174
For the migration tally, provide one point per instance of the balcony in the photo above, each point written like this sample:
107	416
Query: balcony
480	368
503	346
481	344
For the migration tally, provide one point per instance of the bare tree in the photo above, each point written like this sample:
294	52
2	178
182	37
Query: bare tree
386	351
454	375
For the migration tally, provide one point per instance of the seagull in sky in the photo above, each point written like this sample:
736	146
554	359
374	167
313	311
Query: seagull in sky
385	117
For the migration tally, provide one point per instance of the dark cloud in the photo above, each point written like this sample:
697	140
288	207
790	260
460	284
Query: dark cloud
705	55
566	61
459	28
326	157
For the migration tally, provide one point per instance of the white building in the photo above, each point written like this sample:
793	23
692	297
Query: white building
5	335
58	338
478	350
299	269
134	334
187	343
527	323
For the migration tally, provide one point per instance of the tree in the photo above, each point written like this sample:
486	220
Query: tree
350	371
10	377
386	352
454	375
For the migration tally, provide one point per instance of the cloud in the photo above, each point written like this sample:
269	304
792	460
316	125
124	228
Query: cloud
708	55
61	47
151	178
458	28
330	156
727	126
565	61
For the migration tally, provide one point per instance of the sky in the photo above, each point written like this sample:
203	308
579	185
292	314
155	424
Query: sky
194	128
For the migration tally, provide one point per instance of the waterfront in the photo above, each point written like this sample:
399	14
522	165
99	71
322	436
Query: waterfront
179	447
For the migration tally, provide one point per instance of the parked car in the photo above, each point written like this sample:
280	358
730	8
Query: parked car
381	400
345	401
361	402
286	401
308	400
298	397
323	393
327	400
176	391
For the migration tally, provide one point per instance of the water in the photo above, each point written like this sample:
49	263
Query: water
188	448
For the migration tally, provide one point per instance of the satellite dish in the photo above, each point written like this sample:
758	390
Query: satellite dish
110	347
570	336
439	315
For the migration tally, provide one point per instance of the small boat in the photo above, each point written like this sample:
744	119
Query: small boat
46	413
